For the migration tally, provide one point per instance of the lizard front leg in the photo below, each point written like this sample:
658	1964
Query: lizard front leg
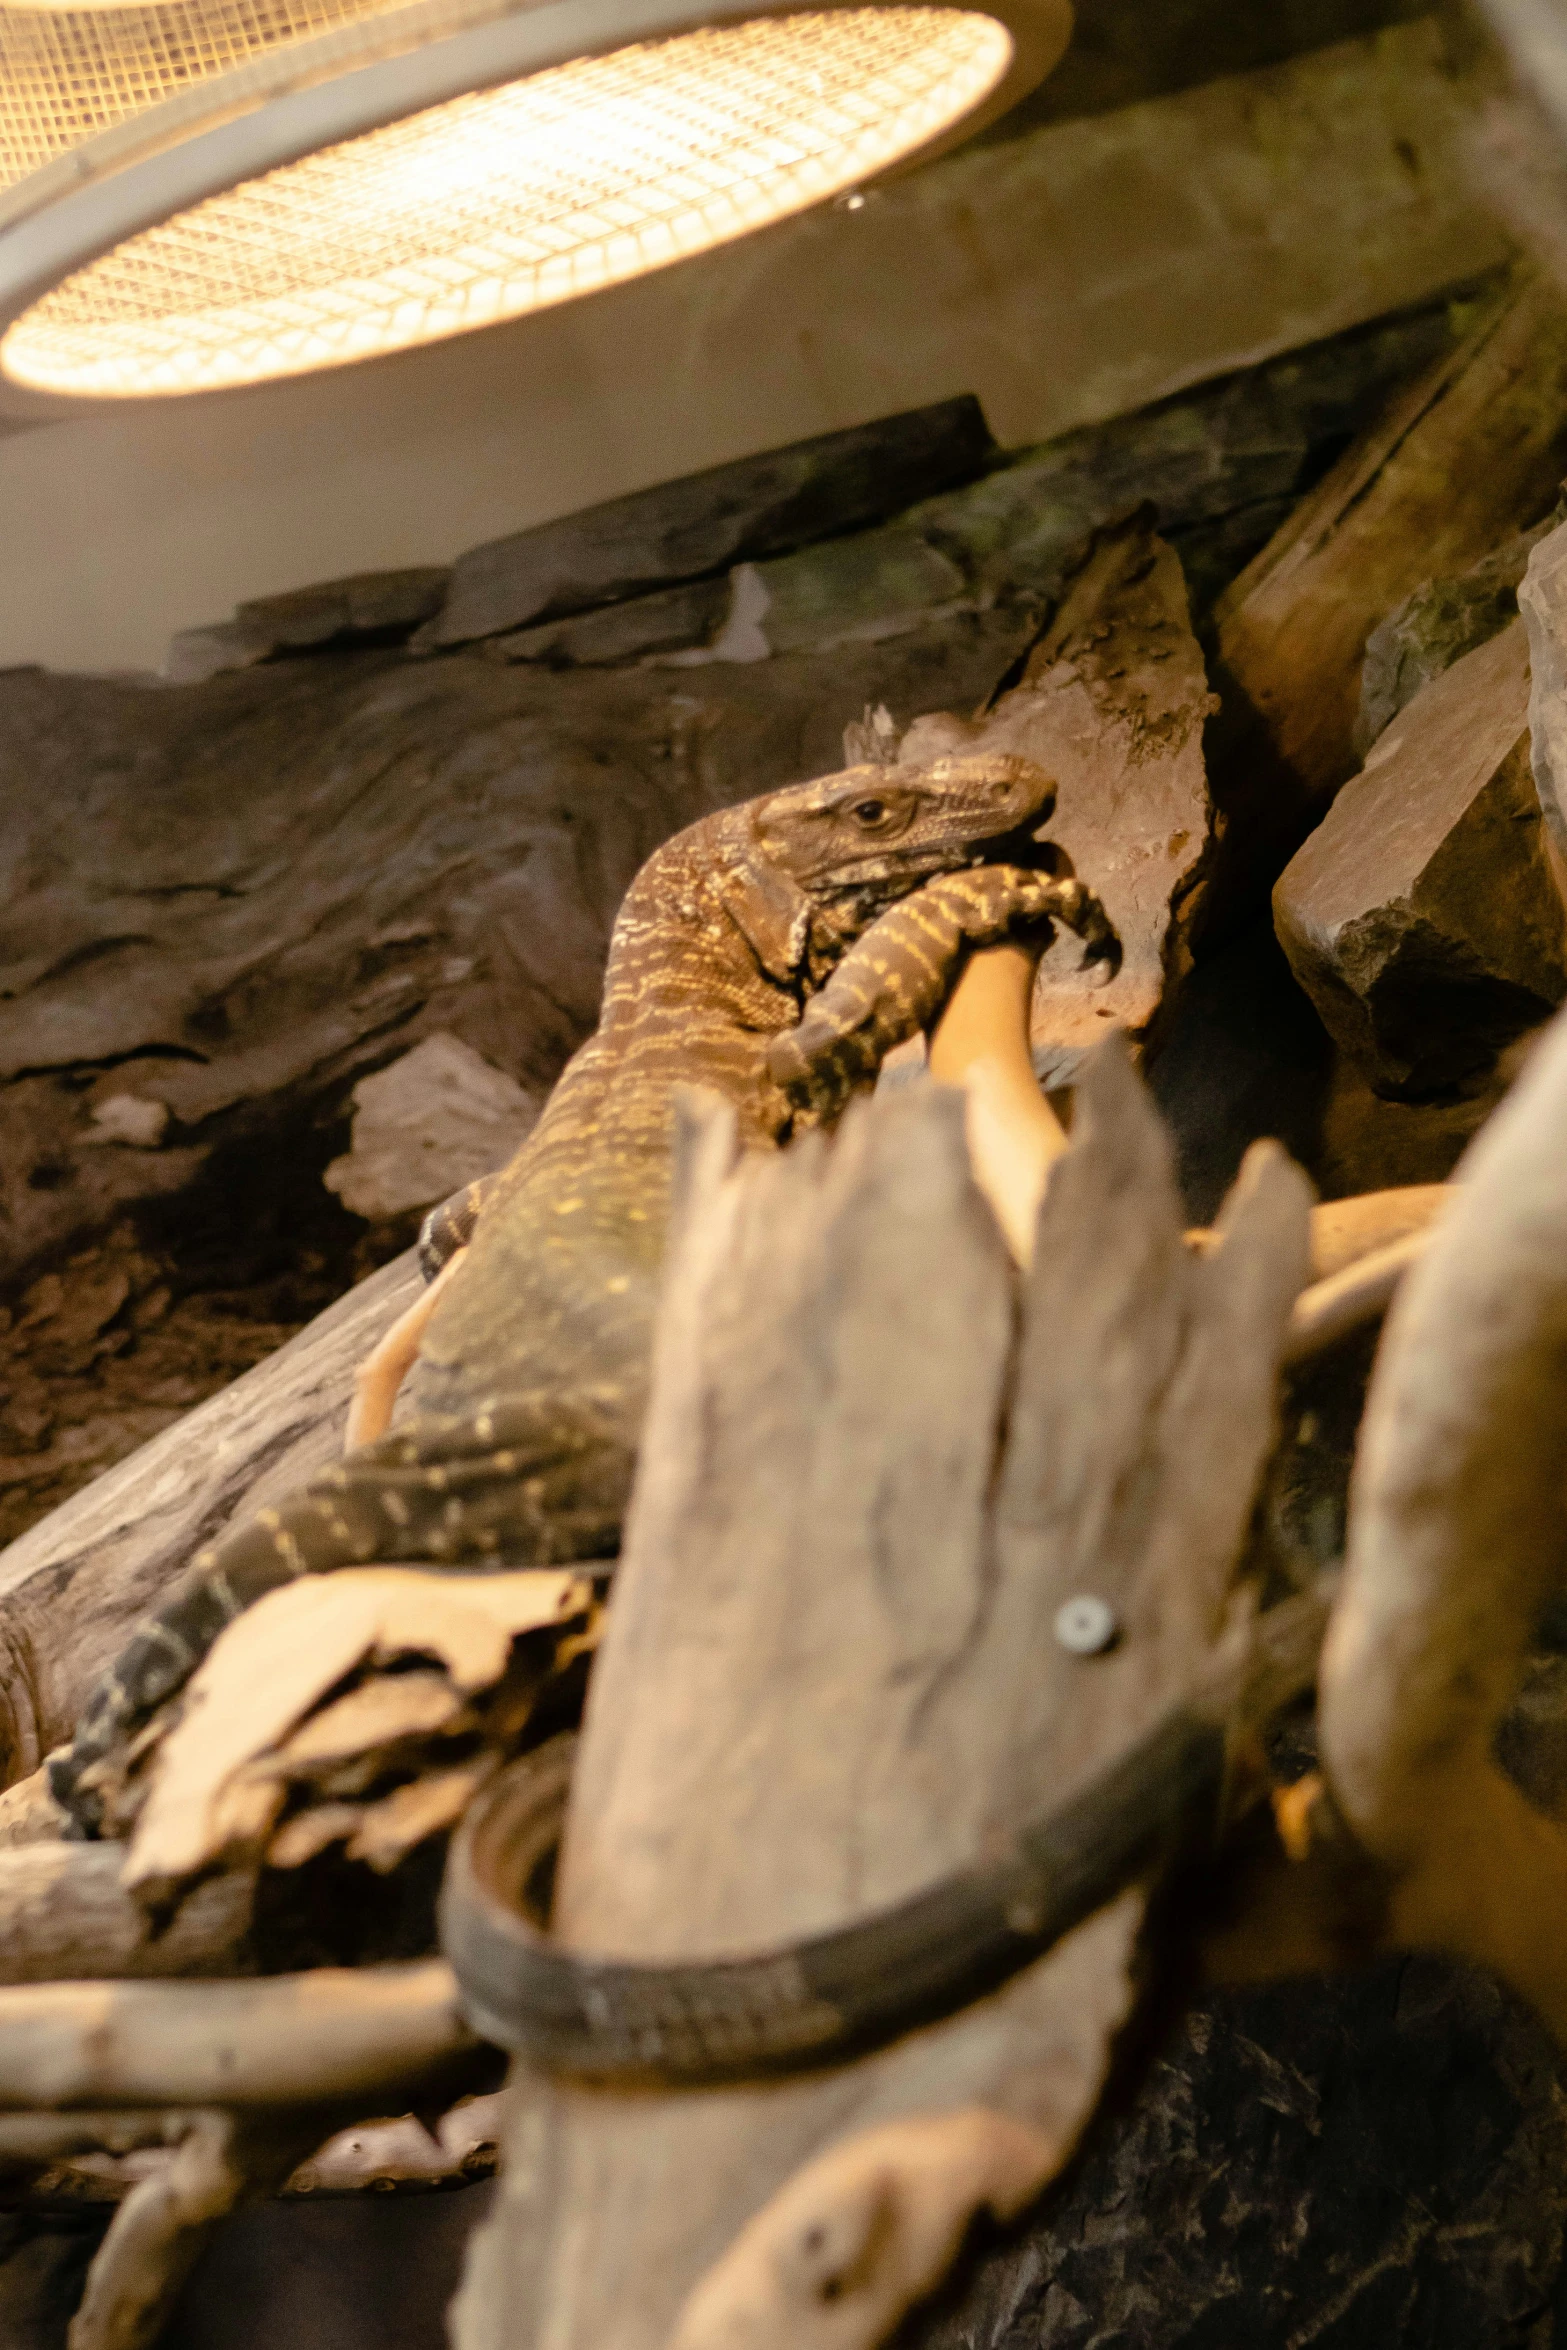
893	981
449	1227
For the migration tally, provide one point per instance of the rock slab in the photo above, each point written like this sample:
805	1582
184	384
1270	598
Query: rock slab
710	521
437	1118
1366	2163
1421	917
1436	626
379	607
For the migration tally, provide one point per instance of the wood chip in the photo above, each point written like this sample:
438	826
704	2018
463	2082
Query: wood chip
392	1827
379	1713
310	1832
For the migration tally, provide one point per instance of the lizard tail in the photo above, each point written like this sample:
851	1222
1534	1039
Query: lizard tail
526	1481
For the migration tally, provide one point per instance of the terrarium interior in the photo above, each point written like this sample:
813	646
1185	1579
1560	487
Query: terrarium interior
1041	677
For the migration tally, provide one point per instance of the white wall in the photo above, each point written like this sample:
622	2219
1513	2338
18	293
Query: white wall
1065	277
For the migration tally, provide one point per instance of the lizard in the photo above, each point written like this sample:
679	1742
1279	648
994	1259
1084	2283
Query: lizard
773	951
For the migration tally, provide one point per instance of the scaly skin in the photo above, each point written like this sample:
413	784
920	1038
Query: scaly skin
529	1391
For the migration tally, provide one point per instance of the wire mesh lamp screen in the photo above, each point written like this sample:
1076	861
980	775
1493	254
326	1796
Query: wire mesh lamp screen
495	202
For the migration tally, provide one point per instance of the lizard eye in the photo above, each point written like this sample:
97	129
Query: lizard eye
869	812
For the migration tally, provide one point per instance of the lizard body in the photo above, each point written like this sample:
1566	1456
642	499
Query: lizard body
850	899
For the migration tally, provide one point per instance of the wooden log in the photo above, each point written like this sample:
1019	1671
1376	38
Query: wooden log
64	1913
1471	452
833	1671
74	1586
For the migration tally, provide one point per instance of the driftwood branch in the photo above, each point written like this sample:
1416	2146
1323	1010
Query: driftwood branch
1455	1546
1360	1248
331	2036
155	2237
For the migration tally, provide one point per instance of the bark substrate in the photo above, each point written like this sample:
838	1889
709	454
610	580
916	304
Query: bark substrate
1370	2163
121	1337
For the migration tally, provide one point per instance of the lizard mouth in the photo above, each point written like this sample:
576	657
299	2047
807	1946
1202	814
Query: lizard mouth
1028	845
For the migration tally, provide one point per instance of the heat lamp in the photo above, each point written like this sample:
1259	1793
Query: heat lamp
198	194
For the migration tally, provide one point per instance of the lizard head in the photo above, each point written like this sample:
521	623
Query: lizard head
825	858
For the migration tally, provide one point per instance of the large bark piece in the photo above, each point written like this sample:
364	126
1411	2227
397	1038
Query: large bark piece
832	1673
1421	916
1112	705
1472	452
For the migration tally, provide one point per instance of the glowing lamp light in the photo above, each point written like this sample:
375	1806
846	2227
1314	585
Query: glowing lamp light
204	193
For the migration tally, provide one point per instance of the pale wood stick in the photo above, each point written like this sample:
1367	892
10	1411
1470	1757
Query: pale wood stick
165	2221
154	2238
1329	1310
1360	1248
1343	1231
981	1043
381	1374
332	2035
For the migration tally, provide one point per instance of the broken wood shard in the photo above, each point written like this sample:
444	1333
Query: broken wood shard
1112	705
282	1655
838	1549
863	2231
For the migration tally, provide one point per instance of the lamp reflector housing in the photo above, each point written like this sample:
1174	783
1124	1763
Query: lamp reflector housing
498	200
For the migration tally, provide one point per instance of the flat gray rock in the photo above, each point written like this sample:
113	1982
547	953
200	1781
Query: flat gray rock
373	607
876	583
1420	916
708	522
1223	465
671	621
1436	626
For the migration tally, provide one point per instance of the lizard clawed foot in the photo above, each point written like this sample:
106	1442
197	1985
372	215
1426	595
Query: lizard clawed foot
893	982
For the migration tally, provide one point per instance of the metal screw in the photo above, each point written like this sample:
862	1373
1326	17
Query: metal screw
1086	1625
